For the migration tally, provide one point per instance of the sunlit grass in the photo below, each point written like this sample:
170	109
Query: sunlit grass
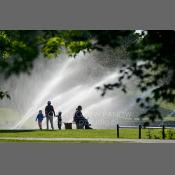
95	133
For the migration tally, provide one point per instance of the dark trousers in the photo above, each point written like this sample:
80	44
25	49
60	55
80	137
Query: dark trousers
40	125
82	124
59	125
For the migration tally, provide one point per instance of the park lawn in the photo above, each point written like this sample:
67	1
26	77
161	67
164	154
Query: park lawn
145	133
95	133
59	133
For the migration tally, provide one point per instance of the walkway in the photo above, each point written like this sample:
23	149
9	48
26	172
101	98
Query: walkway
90	139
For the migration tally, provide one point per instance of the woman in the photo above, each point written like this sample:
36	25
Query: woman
80	120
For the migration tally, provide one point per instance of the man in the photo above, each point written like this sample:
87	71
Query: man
80	120
49	112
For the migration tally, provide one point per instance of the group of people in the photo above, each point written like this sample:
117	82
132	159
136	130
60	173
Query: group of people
78	118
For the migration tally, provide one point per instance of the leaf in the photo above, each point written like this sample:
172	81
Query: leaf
147	99
120	78
124	90
143	89
98	88
138	100
142	105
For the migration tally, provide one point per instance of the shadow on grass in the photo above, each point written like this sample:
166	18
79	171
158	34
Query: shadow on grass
17	131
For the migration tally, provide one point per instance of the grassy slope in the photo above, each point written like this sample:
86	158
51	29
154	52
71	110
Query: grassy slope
169	106
7	114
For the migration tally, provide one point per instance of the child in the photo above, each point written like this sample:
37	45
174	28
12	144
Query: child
59	120
40	117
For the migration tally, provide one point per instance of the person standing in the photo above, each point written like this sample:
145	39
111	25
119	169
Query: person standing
49	112
40	119
59	120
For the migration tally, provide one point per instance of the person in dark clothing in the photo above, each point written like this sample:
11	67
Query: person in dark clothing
59	120
80	121
40	117
49	111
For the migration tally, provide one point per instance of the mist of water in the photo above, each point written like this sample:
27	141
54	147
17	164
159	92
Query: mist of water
69	82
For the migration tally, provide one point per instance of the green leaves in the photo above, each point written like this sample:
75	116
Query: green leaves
4	94
75	47
71	42
156	50
4	44
53	47
18	51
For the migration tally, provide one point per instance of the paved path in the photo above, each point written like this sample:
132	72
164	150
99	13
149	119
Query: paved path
90	139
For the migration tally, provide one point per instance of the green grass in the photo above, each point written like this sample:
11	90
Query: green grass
95	133
167	105
59	134
145	133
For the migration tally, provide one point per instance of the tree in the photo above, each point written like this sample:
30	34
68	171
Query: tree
19	49
157	72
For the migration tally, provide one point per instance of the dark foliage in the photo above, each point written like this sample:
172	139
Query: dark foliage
156	72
